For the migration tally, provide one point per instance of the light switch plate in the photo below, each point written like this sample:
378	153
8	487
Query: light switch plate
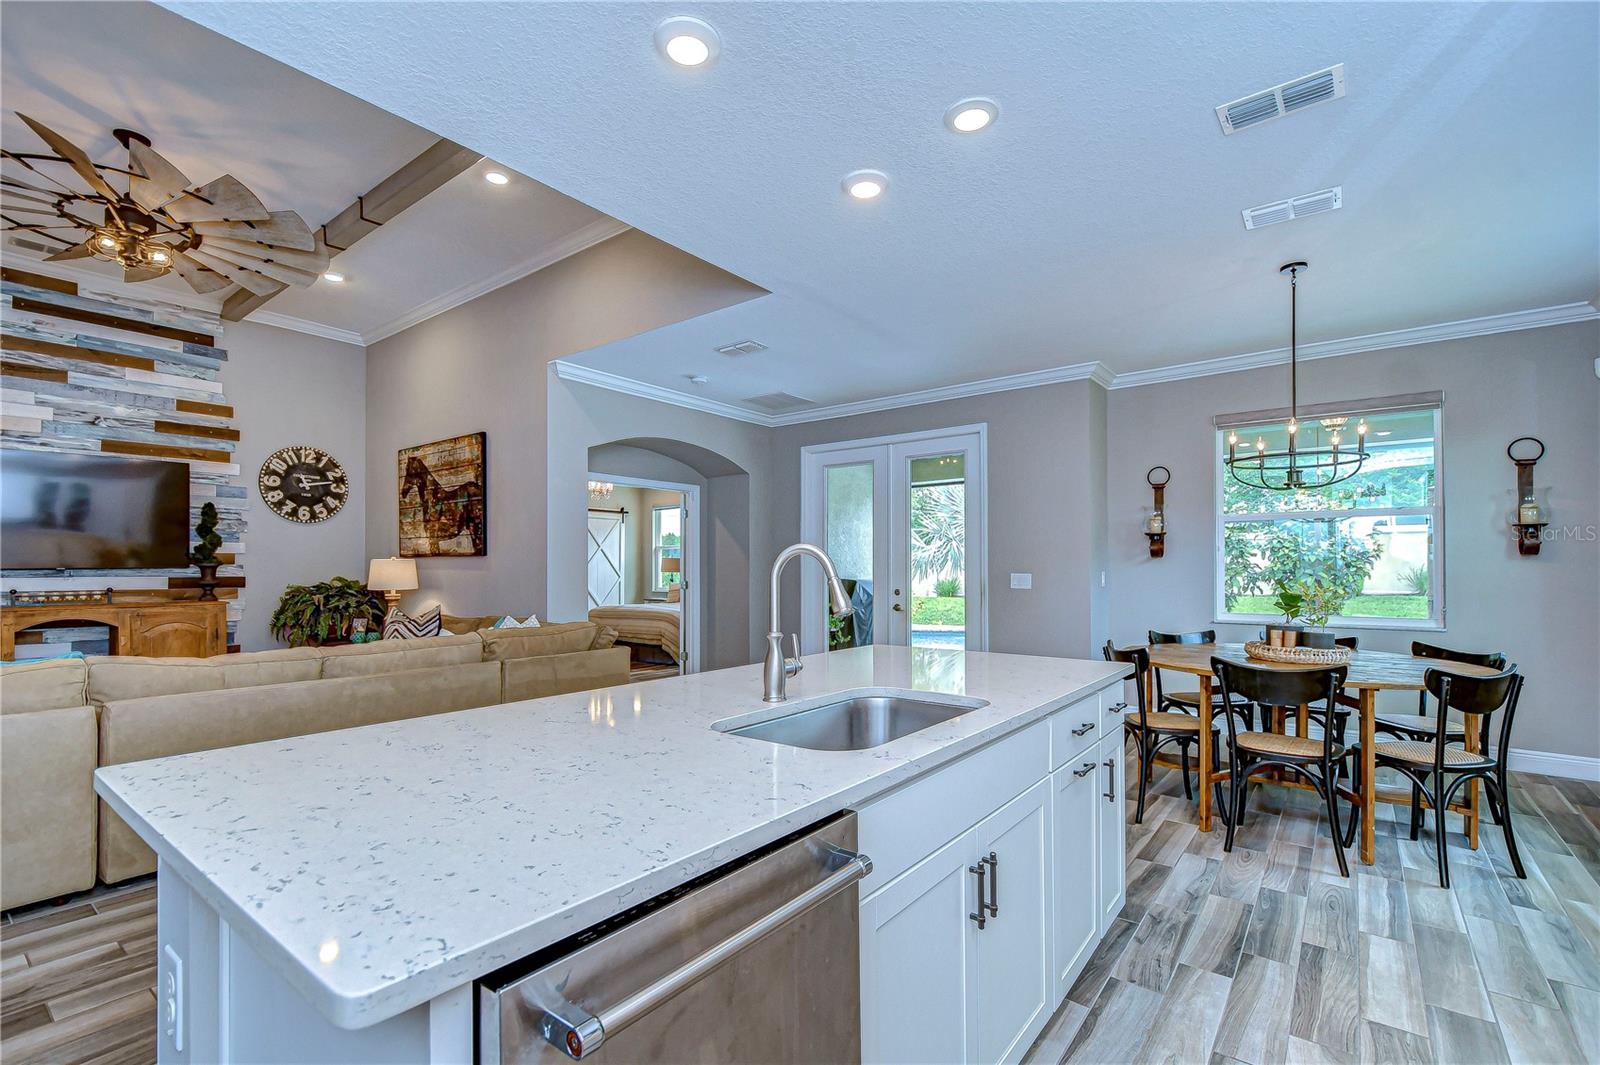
1022	580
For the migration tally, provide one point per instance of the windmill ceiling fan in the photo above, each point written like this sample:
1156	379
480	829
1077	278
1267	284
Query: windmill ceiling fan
214	236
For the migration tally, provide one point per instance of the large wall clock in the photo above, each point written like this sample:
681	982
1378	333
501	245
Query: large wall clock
304	484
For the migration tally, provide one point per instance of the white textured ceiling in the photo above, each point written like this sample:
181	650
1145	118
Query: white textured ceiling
212	106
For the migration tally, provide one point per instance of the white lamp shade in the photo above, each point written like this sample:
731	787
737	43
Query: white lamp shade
392	574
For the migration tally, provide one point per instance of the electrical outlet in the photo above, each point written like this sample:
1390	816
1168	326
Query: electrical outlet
1022	580
172	997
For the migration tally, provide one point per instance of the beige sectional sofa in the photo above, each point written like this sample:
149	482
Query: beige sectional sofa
60	719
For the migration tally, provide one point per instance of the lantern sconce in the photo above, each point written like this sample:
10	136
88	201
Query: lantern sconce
1531	516
1155	526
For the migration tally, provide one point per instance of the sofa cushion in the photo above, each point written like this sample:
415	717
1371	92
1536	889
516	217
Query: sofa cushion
136	729
48	685
47	819
113	678
503	644
394	656
461	623
534	678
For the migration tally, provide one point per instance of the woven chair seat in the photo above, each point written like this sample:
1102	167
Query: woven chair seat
1416	753
1273	743
1168	722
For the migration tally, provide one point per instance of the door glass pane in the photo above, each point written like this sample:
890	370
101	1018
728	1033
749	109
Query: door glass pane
848	541
938	509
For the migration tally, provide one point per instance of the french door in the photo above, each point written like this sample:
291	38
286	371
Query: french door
903	519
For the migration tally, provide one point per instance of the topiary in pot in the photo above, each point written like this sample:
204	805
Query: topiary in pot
204	552
313	614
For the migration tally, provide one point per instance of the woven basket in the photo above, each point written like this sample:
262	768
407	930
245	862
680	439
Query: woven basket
1298	656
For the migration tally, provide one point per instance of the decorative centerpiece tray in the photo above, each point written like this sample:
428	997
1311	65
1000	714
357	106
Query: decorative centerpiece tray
1298	656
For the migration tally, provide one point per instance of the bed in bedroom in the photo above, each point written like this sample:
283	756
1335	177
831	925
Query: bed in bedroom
650	629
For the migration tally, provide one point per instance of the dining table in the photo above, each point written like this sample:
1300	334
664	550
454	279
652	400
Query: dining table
1369	672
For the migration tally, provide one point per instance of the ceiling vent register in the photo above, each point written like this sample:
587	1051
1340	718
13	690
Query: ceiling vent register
779	402
1281	100
743	347
1298	207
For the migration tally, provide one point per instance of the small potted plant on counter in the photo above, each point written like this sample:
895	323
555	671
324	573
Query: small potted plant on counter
319	614
204	552
1289	603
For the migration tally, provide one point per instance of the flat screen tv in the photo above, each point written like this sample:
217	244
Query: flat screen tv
63	511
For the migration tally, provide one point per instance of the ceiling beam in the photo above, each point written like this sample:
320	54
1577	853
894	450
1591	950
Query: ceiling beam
442	161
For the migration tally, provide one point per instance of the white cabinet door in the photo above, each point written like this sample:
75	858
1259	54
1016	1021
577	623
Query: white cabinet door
1074	815
1015	991
919	964
1111	838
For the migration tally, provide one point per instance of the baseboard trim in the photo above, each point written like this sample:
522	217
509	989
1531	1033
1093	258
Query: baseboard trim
1550	764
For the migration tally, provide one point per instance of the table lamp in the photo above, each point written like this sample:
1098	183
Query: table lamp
391	576
672	564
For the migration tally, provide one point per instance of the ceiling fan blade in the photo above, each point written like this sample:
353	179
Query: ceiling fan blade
60	187
314	261
17	183
135	274
154	181
284	228
200	279
16	208
17	194
272	268
74	156
77	251
223	200
244	278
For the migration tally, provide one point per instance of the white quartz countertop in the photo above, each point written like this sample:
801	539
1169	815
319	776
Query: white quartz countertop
376	868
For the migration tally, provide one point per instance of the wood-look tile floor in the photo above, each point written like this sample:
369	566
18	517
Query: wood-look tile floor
1262	955
1268	955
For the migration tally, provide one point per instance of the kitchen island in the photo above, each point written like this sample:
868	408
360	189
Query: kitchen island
334	897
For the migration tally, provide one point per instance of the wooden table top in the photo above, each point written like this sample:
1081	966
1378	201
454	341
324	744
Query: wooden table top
1378	670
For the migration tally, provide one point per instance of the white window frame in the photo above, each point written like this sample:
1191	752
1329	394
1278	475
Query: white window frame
1436	581
656	546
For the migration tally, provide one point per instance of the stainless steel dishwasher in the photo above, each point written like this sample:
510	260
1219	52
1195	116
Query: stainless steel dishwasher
755	962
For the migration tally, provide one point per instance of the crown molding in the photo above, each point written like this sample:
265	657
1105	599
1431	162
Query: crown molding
1395	338
587	375
588	236
1097	371
302	325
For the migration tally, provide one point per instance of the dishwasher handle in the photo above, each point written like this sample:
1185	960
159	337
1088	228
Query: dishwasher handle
580	1033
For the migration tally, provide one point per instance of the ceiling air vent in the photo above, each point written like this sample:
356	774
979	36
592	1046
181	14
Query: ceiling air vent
1282	100
743	347
1298	207
778	402
32	246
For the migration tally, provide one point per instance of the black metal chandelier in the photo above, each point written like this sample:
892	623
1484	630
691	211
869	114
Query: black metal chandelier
1295	467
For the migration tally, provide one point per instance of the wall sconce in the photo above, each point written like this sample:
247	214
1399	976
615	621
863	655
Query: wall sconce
1531	517
1155	526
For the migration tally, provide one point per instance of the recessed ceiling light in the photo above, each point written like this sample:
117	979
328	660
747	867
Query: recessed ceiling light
688	42
865	184
333	277
969	116
494	177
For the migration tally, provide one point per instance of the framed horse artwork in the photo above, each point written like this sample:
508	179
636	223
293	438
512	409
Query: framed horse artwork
444	498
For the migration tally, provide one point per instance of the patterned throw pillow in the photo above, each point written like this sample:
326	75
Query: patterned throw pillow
398	625
509	622
605	637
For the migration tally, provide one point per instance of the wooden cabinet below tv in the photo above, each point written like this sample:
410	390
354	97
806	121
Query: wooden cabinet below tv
176	629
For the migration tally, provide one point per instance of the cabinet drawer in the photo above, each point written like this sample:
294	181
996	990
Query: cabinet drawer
905	826
1075	729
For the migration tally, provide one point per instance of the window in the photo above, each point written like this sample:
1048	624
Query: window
666	542
1376	538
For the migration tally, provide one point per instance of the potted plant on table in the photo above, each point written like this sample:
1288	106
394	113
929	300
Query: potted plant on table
1288	602
204	552
317	614
1320	602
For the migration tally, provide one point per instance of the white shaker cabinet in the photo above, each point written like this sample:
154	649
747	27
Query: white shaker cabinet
1015	993
1111	837
1075	818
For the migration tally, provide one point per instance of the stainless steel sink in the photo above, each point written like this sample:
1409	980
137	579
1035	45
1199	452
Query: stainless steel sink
858	723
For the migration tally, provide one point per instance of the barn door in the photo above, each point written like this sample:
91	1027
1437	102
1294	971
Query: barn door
605	558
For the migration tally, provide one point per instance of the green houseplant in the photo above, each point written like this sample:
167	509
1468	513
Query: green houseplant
1289	602
1320	601
317	613
204	553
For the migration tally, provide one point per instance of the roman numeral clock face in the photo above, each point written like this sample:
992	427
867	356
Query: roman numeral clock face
304	484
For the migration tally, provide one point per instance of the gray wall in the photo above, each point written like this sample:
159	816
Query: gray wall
483	366
729	457
290	388
1046	505
1542	610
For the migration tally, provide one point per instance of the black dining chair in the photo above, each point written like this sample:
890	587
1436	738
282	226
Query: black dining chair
1438	768
1152	731
1420	726
1188	702
1320	761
